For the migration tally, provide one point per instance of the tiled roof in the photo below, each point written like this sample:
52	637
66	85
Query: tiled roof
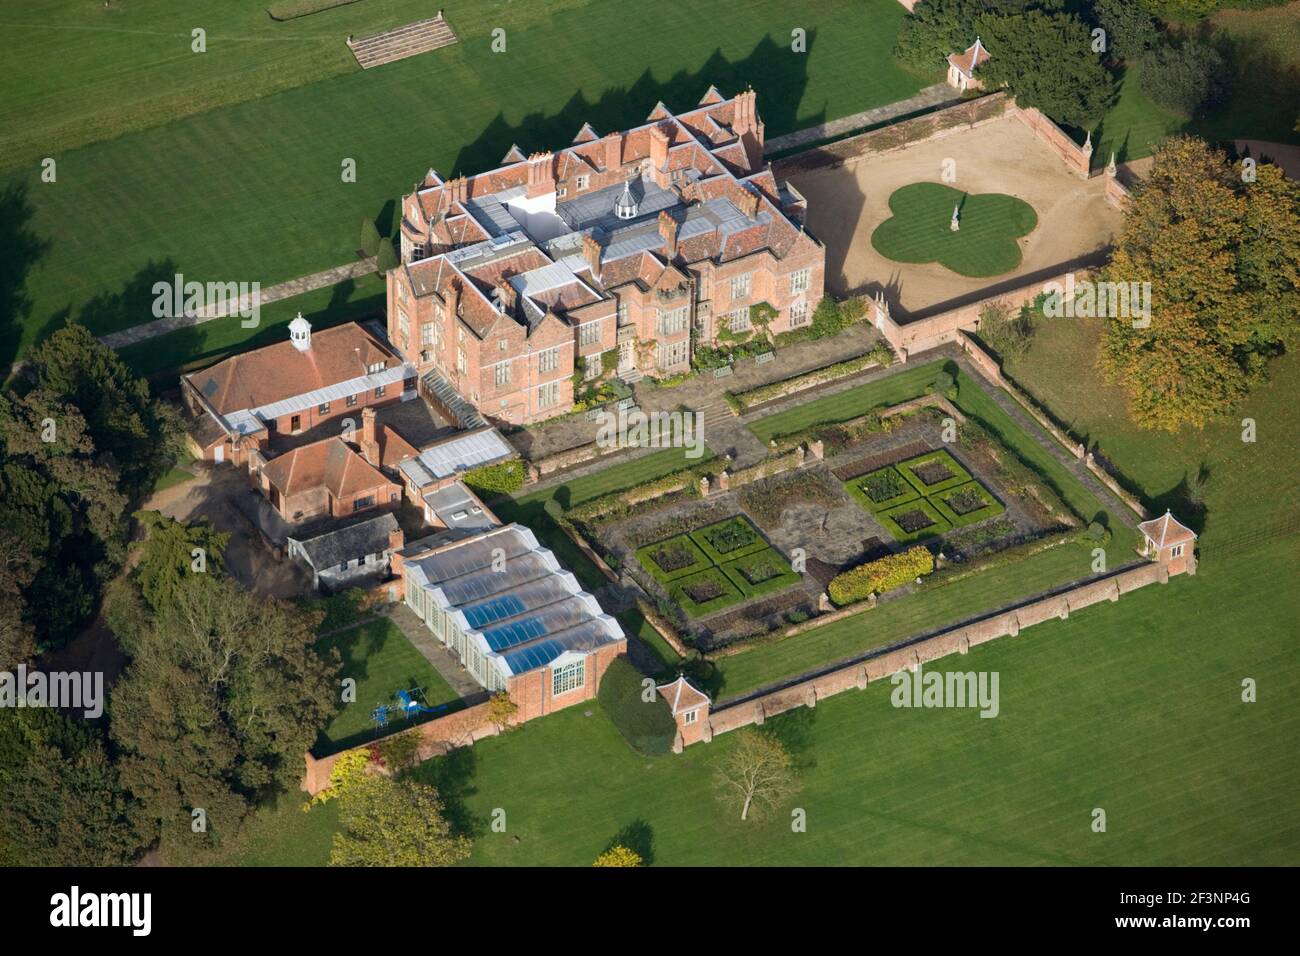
1166	530
328	464
280	371
681	696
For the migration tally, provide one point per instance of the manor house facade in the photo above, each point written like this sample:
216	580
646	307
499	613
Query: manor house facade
618	255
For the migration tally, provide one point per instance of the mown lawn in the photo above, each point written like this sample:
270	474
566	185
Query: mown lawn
891	389
184	350
985	244
254	191
1133	707
1249	487
382	661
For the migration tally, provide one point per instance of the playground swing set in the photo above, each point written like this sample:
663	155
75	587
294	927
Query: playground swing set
410	703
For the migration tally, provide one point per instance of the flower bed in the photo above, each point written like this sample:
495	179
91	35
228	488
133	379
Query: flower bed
913	521
881	489
729	539
672	559
934	472
705	592
966	504
760	573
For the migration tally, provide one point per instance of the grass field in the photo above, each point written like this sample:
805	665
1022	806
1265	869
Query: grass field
382	661
253	191
1249	488
186	349
986	244
1133	707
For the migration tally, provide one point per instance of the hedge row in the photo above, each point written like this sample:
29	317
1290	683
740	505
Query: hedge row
884	574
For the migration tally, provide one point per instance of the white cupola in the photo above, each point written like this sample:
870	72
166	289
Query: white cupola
300	333
626	206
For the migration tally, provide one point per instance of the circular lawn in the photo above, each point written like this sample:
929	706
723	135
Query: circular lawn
985	244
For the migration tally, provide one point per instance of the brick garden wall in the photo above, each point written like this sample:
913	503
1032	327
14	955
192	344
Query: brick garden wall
959	640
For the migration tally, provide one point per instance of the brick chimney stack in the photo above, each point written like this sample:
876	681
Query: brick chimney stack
591	251
452	298
396	540
459	188
541	174
659	156
613	151
369	445
747	126
668	230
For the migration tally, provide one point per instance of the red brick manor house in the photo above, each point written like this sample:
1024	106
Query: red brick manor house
617	255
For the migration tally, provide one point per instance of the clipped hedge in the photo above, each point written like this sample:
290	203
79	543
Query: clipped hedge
884	574
503	478
648	727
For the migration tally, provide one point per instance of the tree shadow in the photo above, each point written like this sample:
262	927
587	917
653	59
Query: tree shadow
639	837
452	776
769	66
20	250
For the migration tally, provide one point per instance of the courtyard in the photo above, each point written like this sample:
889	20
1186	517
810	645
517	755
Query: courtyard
847	204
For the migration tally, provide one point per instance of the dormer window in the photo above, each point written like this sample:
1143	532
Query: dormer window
374	367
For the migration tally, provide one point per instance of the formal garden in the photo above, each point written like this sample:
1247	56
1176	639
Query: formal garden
900	498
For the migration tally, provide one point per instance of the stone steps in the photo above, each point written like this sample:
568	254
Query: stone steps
410	40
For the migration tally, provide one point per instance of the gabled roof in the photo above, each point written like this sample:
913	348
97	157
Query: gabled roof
1166	530
328	464
333	548
682	696
278	372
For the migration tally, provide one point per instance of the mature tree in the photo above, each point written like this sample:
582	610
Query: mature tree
1130	27
1007	333
1223	260
1048	62
1185	80
17	570
936	28
224	695
174	553
60	505
61	803
141	436
387	822
618	856
757	774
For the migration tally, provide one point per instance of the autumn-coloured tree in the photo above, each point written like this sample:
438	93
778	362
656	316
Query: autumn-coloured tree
757	773
387	822
501	710
618	856
1222	254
